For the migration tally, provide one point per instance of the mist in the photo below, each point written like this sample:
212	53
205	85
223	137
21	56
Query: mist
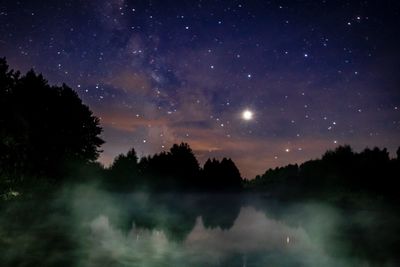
83	225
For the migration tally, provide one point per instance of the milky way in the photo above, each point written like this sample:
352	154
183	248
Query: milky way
315	74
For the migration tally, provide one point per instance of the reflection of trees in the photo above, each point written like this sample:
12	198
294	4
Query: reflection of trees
219	210
37	233
53	230
363	230
176	215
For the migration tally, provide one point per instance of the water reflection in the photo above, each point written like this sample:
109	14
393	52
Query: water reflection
252	240
251	232
89	227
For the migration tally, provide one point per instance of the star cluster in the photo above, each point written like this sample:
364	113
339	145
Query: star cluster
311	74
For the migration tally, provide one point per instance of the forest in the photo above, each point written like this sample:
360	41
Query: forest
49	138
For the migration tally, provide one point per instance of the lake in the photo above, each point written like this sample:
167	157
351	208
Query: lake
88	227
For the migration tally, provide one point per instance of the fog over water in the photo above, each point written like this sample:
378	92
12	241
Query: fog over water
85	226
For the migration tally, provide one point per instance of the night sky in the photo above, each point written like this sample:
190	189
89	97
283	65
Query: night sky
311	75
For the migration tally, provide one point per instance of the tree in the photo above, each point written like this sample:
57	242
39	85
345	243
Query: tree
233	179
128	162
221	176
123	171
398	153
184	162
337	173
43	127
211	175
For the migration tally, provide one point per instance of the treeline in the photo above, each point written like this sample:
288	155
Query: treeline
339	173
44	131
48	137
175	170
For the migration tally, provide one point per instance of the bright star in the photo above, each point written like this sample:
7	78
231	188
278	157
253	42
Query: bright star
247	115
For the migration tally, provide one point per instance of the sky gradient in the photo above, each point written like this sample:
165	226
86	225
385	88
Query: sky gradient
315	74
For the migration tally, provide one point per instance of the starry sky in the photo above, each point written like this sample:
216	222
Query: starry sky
313	74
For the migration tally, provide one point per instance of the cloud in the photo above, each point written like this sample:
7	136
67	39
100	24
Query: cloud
199	124
130	82
129	122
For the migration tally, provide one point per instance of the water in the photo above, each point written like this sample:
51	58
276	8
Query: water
87	227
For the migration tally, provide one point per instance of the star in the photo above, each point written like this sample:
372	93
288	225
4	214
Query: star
247	115
135	64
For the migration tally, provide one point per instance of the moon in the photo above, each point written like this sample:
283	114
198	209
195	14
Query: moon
247	115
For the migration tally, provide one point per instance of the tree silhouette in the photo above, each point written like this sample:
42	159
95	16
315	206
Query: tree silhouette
221	176
183	160
338	172
398	153
232	178
210	175
43	127
124	171
177	169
